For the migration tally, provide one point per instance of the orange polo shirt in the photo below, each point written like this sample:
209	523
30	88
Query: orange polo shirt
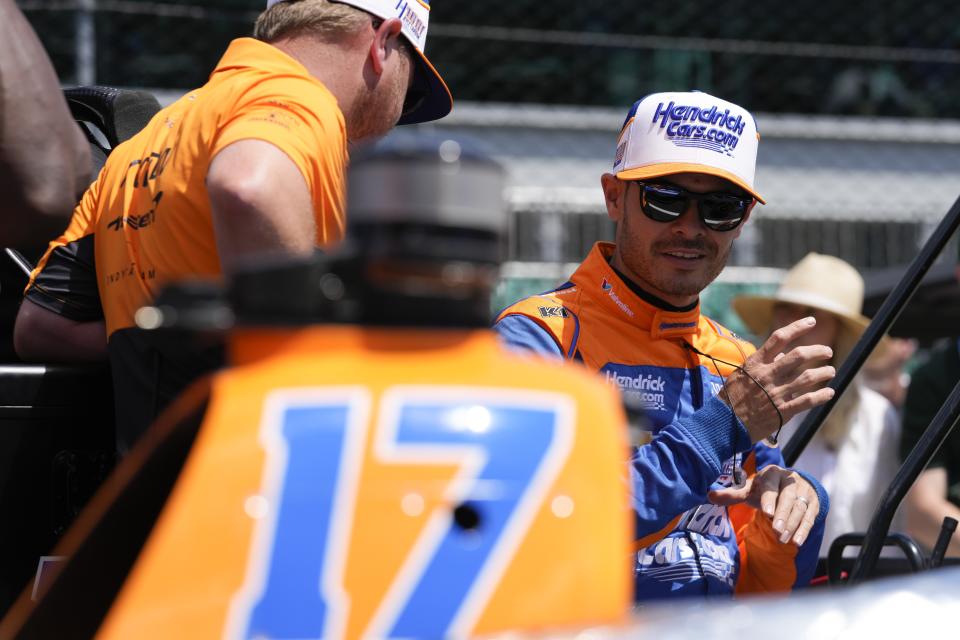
148	213
146	221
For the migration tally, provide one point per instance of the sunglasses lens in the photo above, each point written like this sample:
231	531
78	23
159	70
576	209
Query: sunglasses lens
723	212
662	204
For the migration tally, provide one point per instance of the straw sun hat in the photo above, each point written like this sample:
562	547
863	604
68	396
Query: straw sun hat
818	281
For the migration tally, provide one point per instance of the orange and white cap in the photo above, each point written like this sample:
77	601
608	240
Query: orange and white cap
688	132
430	93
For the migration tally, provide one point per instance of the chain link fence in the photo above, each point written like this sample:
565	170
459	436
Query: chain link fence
857	103
896	58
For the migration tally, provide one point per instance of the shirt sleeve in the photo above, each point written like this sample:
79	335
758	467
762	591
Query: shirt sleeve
766	455
65	279
520	333
304	122
768	565
674	471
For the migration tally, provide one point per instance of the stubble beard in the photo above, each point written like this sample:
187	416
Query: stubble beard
367	121
689	283
373	111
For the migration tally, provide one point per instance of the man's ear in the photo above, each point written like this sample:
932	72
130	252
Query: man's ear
381	45
614	192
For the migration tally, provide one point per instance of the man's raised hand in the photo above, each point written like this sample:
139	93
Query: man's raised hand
795	380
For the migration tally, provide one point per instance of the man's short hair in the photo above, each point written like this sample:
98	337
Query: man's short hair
324	18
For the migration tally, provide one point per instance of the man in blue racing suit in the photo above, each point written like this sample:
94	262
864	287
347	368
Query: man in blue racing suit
716	512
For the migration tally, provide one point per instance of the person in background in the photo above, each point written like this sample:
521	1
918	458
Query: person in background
885	371
854	452
250	165
936	493
44	157
680	191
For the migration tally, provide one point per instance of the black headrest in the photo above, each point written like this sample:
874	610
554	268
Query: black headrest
111	115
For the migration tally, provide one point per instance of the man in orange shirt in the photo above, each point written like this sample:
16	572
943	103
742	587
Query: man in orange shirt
249	165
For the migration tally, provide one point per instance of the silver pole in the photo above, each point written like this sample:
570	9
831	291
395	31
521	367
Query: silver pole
86	43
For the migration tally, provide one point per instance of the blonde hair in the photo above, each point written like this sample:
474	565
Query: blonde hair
836	426
327	19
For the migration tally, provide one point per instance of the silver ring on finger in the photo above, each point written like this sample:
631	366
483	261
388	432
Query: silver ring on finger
806	503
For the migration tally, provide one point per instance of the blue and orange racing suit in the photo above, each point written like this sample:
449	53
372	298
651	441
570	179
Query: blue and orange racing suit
684	545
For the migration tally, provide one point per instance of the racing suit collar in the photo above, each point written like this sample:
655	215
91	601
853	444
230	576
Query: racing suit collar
595	274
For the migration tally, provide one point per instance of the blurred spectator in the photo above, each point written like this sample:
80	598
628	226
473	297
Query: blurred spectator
870	92
44	158
885	372
854	451
936	493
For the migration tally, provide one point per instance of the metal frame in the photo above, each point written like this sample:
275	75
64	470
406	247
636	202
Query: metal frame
938	430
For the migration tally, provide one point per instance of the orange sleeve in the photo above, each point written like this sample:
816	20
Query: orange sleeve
766	565
64	281
551	315
82	223
303	120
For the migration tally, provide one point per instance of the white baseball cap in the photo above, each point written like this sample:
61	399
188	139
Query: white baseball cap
414	15
688	132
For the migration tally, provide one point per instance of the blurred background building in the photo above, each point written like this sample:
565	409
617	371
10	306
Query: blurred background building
858	105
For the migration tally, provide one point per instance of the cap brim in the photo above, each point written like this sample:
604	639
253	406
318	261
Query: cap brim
438	101
662	169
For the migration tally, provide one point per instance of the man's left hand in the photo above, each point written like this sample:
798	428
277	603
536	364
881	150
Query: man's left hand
782	495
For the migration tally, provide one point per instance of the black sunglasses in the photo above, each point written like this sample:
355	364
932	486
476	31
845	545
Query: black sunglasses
719	210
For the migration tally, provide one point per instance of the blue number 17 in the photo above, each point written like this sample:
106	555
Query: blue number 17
510	449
